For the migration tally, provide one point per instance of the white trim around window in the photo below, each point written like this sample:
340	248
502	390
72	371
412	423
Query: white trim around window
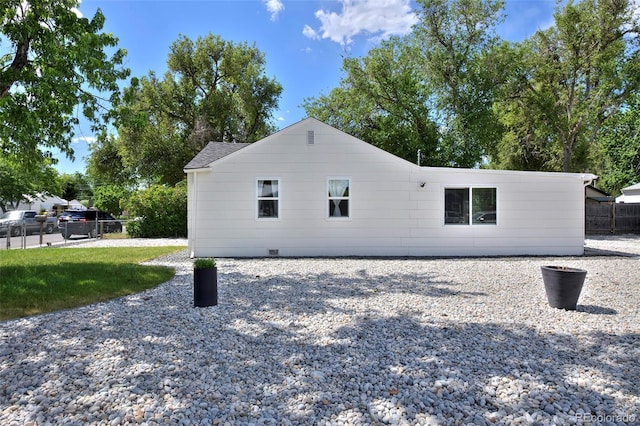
268	190
338	193
461	207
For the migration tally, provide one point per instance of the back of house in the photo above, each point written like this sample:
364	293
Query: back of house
312	190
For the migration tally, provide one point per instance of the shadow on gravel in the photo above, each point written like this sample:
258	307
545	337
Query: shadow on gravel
591	251
596	310
253	359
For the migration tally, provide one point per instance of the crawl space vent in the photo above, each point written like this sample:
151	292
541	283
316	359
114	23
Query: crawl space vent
273	252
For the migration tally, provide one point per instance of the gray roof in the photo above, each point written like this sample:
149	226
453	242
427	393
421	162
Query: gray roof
631	188
212	152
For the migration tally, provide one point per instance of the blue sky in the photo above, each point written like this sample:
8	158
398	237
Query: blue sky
304	41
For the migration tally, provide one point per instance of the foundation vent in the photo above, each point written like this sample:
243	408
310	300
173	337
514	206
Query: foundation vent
274	252
311	137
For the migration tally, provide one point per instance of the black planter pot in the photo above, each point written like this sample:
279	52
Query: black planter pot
205	287
563	286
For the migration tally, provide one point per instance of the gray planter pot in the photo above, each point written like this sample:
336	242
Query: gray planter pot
563	286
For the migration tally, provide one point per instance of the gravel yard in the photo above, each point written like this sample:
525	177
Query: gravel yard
340	341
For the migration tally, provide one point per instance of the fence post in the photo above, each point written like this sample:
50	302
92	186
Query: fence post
23	239
613	218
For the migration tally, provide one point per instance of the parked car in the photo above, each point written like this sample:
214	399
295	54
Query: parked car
13	221
485	217
87	222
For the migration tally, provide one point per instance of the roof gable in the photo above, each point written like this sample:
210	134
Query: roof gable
217	150
212	152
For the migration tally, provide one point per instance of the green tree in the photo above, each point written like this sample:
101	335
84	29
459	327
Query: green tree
431	91
571	78
52	61
455	41
619	143
18	180
214	90
106	165
110	198
383	101
75	186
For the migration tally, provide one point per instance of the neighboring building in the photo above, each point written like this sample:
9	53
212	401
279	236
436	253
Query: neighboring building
312	190
630	194
597	196
74	205
43	202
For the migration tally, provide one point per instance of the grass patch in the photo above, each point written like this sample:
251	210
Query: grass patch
42	280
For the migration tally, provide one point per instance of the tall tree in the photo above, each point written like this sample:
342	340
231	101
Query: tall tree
75	186
455	41
52	60
619	143
106	165
383	101
214	90
573	76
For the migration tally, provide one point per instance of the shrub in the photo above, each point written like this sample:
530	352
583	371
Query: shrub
108	198
204	263
159	211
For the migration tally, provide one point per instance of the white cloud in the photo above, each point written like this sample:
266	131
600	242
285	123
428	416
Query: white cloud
310	32
274	7
381	18
89	140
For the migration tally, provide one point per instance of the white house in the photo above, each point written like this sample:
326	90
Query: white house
312	190
40	202
630	194
50	203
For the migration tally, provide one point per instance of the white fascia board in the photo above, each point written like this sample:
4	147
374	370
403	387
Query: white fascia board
198	170
580	176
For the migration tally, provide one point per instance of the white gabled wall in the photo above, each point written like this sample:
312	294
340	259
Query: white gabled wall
391	214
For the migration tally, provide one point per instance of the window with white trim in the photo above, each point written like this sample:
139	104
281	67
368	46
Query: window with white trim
268	198
338	197
470	206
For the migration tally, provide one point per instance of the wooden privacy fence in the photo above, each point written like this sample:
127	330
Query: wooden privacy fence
614	218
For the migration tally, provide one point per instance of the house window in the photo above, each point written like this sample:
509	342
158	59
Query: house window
338	196
475	206
483	206
268	198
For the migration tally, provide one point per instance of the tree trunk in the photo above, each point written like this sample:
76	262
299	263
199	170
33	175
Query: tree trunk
567	156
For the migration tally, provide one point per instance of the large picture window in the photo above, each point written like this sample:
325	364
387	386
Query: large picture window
268	198
338	192
475	206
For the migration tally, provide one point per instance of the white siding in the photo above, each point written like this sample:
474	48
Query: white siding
390	213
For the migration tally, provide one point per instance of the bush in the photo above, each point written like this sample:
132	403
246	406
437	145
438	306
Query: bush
108	198
160	211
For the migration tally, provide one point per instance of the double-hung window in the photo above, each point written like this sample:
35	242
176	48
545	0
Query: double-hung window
470	206
338	197
268	192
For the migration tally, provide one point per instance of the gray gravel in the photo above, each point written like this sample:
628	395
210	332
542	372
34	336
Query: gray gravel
340	341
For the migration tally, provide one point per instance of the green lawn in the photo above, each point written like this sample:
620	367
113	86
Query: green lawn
43	280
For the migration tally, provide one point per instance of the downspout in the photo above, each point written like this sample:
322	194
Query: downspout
585	182
194	216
